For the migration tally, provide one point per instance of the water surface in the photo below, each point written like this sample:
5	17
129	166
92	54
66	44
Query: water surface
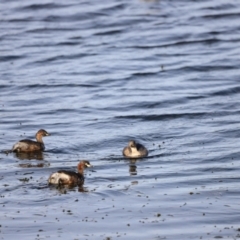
97	74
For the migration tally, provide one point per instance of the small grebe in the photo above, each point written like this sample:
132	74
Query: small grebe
27	145
64	177
135	150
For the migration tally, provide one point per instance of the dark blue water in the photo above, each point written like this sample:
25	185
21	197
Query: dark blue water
96	74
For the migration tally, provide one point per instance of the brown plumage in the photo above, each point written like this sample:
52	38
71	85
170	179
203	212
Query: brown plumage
27	145
64	177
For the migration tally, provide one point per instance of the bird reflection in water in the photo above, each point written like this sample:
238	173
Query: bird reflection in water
30	165
38	155
64	189
133	167
82	189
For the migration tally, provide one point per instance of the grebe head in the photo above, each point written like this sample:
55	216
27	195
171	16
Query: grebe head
84	164
43	133
132	144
